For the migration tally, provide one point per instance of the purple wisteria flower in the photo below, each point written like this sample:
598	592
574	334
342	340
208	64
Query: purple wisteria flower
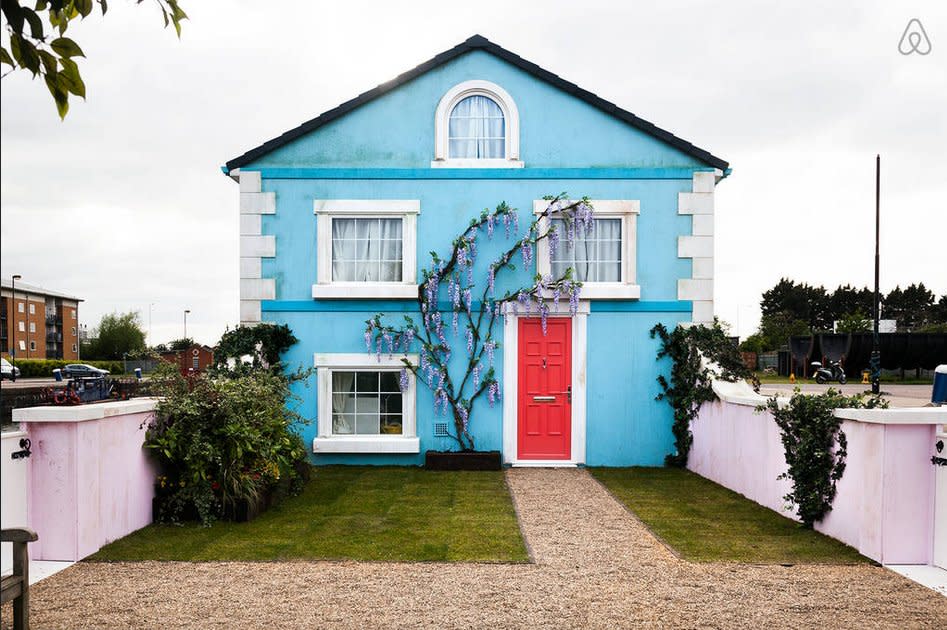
368	339
491	218
453	323
527	252
553	240
490	347
544	314
468	299
507	224
408	338
491	279
470	341
476	376
403	382
523	298
573	298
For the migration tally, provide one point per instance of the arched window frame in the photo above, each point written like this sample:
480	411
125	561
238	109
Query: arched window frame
511	126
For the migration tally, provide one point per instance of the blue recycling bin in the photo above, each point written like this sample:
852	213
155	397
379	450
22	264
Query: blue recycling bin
939	395
138	373
57	374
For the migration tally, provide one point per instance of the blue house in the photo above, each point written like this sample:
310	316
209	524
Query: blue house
337	217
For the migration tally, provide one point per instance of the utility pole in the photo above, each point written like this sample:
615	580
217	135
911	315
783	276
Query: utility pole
875	362
186	311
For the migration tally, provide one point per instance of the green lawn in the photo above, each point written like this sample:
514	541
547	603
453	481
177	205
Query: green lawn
772	379
705	522
359	513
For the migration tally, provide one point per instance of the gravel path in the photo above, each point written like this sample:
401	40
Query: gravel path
595	566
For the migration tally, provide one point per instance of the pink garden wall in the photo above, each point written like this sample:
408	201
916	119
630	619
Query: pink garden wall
885	501
90	480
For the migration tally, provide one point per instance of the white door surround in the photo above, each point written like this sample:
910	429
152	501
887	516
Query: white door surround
511	386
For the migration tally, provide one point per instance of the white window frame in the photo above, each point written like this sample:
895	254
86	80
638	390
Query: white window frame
405	209
21	326
625	209
32	309
511	127
32	327
32	346
20	307
22	345
326	442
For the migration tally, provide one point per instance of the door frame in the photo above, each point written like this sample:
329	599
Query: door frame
511	387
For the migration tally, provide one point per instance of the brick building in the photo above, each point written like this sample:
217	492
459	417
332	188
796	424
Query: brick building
36	323
196	358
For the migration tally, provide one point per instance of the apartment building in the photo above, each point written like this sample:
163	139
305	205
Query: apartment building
37	323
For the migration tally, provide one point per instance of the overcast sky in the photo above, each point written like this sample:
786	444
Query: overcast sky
124	204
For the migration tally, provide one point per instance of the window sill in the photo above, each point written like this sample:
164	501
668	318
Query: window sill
591	291
366	444
475	163
365	291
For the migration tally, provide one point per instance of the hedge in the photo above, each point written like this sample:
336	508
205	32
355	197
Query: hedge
44	367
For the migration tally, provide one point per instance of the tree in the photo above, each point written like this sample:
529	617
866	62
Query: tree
776	329
798	302
253	347
176	345
457	385
854	323
116	336
38	43
911	307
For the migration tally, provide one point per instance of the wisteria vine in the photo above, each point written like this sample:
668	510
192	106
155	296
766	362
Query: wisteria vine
455	275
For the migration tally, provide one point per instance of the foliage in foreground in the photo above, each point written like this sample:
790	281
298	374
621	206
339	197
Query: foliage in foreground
815	446
248	348
221	441
690	384
38	43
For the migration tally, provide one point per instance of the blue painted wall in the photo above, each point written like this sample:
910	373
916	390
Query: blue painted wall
566	146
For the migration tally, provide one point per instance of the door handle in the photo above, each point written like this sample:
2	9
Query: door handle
568	393
543	398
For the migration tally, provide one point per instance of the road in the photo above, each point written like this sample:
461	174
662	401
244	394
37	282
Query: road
22	383
899	395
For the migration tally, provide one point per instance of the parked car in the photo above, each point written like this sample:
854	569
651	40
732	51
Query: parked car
74	370
8	370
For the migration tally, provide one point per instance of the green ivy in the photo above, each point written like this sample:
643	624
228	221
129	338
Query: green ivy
262	343
815	446
690	382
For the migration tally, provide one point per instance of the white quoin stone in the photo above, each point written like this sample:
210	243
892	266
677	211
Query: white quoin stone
695	246
695	289
695	203
251	224
250	181
258	203
703	312
257	289
704	182
702	268
251	268
703	225
262	246
250	312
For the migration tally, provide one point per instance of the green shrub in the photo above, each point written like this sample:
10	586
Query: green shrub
690	384
31	368
815	446
221	441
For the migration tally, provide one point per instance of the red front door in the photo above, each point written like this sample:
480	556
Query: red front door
544	426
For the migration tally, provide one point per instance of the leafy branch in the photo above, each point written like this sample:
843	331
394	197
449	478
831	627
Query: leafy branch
38	41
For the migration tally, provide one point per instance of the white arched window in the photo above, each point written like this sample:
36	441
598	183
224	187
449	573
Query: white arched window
477	125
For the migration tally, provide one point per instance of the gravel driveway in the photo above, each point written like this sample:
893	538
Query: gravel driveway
595	566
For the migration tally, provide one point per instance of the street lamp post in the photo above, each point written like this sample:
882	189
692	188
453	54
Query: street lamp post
186	311
13	289
150	339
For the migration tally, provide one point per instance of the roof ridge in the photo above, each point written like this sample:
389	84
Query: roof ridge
479	42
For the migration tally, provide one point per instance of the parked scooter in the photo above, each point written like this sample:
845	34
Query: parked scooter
832	373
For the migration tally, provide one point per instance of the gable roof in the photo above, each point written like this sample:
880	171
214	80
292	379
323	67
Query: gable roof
478	42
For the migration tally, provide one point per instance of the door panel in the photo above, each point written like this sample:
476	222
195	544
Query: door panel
544	426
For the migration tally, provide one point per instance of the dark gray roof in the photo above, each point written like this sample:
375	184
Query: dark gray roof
478	42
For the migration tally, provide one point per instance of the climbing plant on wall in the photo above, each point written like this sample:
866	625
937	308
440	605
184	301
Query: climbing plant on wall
690	381
439	328
815	446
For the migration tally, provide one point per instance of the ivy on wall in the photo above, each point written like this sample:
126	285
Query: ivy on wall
815	446
690	381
